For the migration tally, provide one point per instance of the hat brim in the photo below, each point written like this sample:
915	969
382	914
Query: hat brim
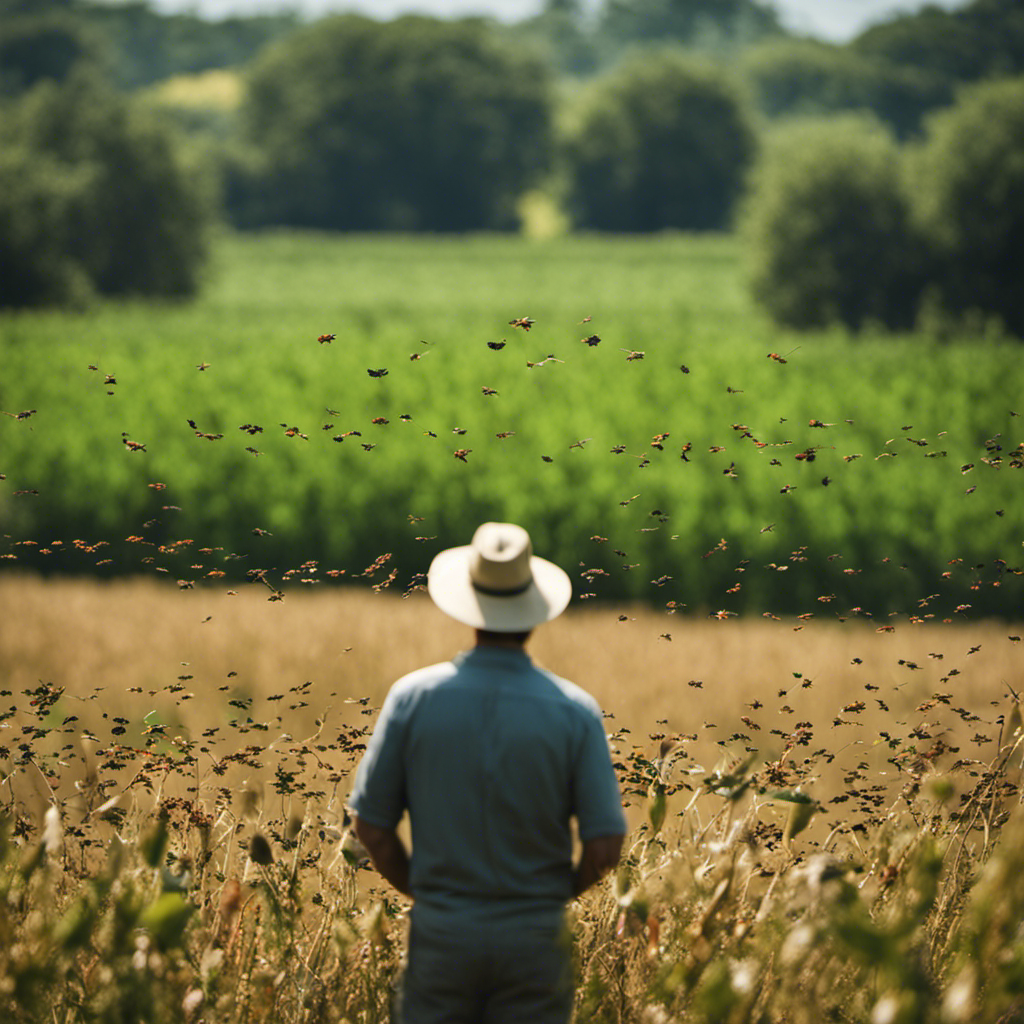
452	590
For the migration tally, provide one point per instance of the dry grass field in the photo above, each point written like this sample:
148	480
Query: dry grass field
637	662
142	651
173	846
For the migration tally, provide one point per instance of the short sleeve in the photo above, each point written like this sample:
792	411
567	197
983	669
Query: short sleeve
379	793
596	797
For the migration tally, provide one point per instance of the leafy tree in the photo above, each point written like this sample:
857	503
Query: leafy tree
969	192
580	41
38	198
899	71
982	40
414	124
562	34
684	21
663	142
33	8
133	43
802	76
143	46
47	47
828	227
106	205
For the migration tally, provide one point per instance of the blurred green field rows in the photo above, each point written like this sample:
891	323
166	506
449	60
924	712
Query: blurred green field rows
915	411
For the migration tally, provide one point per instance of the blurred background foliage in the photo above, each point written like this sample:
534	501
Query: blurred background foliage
631	116
662	142
828	227
415	124
334	398
118	209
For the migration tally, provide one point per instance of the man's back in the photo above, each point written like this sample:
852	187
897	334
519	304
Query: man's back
491	756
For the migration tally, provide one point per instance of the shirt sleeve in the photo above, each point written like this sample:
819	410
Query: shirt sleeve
379	793
596	797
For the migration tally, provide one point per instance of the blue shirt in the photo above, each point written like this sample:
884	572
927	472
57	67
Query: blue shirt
492	757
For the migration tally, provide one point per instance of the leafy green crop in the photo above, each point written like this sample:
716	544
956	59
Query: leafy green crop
694	453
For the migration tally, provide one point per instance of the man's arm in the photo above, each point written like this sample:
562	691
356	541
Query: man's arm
386	852
599	856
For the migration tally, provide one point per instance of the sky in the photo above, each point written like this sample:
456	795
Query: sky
834	20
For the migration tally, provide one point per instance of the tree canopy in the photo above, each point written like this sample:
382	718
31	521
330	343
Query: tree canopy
685	21
828	227
801	76
984	39
94	199
662	142
45	47
842	225
969	190
414	124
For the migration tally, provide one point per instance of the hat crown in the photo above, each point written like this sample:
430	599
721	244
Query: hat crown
497	583
500	559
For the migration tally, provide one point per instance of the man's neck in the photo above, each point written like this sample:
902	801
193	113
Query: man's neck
508	641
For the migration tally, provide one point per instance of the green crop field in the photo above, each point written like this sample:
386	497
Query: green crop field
709	448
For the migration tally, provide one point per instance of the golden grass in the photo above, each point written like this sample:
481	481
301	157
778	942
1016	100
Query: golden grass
899	896
106	642
82	634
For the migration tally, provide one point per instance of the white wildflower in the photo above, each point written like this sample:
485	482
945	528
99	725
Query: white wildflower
53	832
959	1003
886	1010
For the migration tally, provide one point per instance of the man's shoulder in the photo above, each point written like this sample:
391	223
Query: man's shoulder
421	679
407	691
570	693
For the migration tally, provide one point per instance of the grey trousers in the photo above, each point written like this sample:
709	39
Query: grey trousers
486	975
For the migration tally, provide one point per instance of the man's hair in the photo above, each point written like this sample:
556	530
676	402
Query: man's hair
488	634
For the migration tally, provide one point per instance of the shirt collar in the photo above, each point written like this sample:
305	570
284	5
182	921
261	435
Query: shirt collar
493	656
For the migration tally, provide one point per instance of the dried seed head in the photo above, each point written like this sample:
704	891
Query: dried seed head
259	850
251	798
1014	723
374	924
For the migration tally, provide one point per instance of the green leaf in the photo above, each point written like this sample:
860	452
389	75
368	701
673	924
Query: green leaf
166	919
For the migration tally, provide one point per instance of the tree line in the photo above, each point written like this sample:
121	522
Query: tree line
870	185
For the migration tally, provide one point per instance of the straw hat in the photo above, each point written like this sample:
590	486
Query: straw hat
497	583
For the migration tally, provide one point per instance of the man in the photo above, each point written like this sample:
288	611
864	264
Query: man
492	757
